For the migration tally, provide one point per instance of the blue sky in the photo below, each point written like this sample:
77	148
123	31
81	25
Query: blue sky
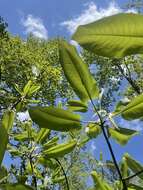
51	18
51	14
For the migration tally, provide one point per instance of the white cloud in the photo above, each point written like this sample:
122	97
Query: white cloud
35	26
92	13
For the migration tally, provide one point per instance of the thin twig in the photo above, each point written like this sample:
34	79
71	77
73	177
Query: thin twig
64	173
132	176
109	145
34	177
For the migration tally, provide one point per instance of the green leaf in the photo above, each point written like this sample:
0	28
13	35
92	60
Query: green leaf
3	172
60	150
55	118
133	165
134	110
93	130
51	143
46	162
77	106
27	88
122	135
6	125
124	168
99	183
77	72
108	37
21	137
16	186
43	134
58	179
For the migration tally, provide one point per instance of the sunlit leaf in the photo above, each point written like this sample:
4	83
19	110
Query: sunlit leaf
77	72
60	149
55	118
133	165
99	183
108	37
6	125
76	105
122	135
134	110
93	130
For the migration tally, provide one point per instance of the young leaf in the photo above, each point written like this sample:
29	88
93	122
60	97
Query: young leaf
51	143
133	165
43	134
124	168
99	183
134	110
122	135
108	37
93	130
6	125
76	105
55	118
77	72
60	149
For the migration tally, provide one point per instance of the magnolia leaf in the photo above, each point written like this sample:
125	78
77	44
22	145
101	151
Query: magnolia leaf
16	186
108	37
21	137
43	134
93	130
6	125
122	135
99	183
134	110
51	143
46	162
77	72
124	168
133	165
55	118
76	105
60	149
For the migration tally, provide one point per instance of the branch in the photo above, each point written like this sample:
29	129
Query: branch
34	177
109	145
64	173
132	176
129	79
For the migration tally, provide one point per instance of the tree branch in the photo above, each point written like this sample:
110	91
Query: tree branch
64	173
109	145
132	176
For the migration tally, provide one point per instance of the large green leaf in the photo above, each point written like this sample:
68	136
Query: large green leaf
133	165
16	186
6	125
114	36
77	72
134	110
122	135
55	118
60	150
